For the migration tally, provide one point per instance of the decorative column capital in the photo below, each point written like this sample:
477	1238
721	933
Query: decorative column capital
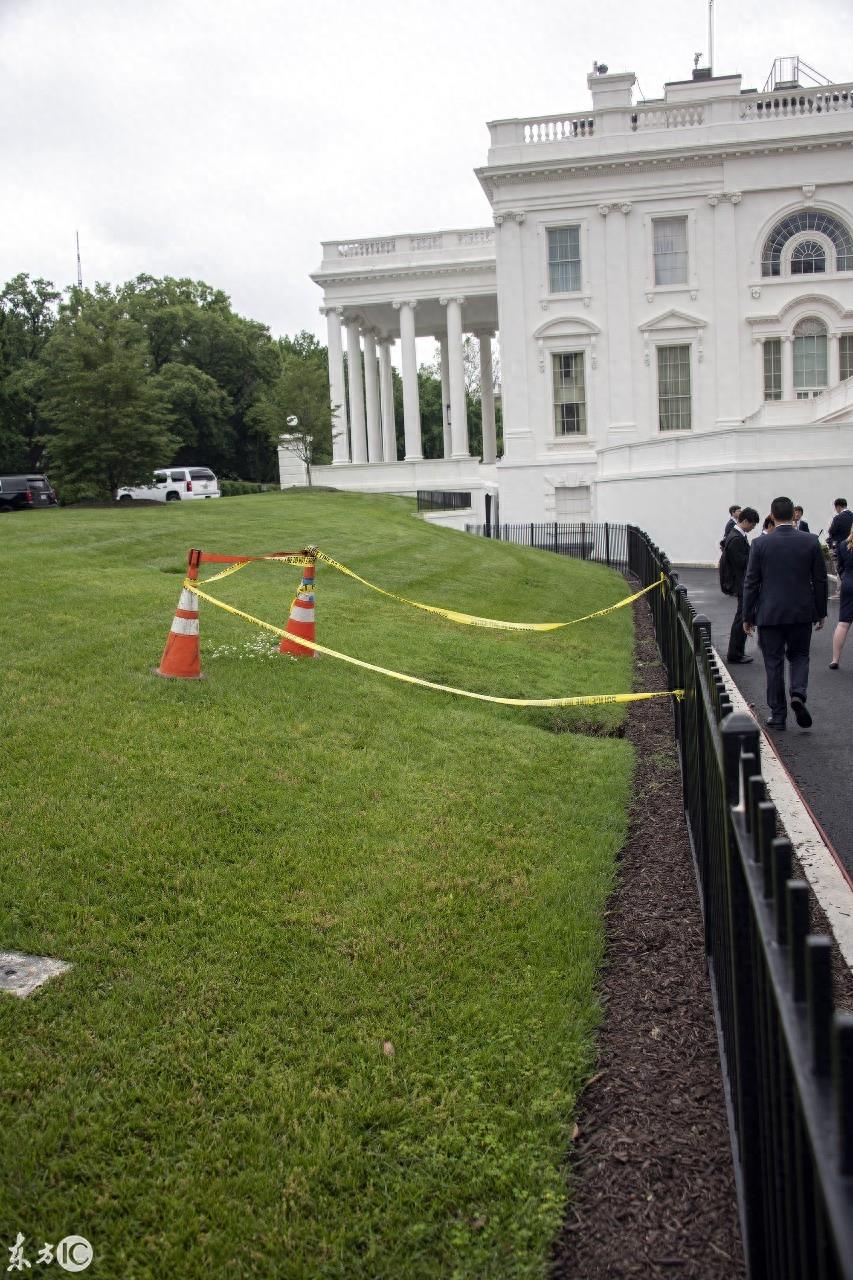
714	199
625	207
513	215
483	334
405	302
444	301
519	215
604	209
734	196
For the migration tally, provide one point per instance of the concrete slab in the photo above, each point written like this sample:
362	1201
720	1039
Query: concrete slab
21	975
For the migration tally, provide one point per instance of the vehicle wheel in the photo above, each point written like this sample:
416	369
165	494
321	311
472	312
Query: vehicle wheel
5	506
173	497
126	497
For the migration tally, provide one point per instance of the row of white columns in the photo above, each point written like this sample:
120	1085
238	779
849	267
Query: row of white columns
363	424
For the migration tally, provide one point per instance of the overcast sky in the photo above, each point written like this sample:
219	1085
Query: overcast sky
224	140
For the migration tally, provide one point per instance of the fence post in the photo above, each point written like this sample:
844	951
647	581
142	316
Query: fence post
739	731
607	543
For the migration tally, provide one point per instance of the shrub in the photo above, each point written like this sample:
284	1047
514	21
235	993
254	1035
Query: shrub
235	488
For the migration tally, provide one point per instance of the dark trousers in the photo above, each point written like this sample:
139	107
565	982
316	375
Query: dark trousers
791	641
737	636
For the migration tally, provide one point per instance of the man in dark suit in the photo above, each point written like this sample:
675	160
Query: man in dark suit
736	552
784	594
799	522
734	516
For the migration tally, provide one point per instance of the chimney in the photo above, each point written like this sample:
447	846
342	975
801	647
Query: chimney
610	91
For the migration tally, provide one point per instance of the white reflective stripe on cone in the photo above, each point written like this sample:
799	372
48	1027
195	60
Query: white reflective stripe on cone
185	626
298	614
188	600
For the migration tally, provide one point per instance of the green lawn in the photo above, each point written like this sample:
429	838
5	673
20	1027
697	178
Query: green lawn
263	877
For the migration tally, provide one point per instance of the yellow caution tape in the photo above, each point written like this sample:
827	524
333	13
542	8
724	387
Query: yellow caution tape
452	615
589	700
472	620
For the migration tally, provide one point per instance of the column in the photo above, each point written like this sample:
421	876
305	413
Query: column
727	337
445	395
512	293
371	396
834	368
787	367
411	400
456	378
337	386
358	427
619	336
487	398
386	401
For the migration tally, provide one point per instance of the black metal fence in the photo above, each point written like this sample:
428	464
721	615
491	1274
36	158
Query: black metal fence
787	1057
606	543
443	500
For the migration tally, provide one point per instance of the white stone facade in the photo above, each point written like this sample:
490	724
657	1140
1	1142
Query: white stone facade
671	283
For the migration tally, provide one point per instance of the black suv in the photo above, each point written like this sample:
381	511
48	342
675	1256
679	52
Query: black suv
18	493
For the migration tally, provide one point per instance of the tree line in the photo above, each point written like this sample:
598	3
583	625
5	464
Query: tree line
100	386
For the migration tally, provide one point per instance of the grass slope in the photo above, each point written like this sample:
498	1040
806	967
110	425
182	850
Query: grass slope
263	877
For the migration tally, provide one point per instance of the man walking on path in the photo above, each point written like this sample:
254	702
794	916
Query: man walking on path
734	516
799	522
736	552
784	594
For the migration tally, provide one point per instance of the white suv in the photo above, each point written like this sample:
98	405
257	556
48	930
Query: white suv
174	484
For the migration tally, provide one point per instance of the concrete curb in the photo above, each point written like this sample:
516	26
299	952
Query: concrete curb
821	869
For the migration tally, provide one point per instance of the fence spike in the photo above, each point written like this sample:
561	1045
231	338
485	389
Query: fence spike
780	864
819	1000
843	1071
756	793
739	731
797	896
749	766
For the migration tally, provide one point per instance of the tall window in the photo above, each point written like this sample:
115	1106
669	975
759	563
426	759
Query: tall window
773	369
674	388
845	356
670	245
807	220
564	259
569	394
810	362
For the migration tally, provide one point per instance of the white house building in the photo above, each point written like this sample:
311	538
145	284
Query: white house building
671	286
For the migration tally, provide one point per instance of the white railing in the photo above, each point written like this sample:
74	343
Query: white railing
798	102
682	117
418	242
557	128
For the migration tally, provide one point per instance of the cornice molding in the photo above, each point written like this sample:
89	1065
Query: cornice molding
408	273
691	158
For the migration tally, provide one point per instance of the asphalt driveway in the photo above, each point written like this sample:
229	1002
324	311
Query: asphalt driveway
819	759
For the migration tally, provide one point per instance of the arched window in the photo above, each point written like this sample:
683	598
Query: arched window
810	362
807	220
808	257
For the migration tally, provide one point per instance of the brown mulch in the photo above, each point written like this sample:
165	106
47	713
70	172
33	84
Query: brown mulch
651	1167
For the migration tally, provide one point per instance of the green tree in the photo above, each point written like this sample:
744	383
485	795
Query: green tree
27	317
109	418
200	413
189	323
300	390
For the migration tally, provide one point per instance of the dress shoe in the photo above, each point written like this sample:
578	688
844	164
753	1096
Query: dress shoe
739	660
833	666
802	713
774	724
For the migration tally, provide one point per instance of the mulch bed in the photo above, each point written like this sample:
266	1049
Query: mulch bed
651	1167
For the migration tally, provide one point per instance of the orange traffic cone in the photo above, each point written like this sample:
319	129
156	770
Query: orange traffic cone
181	657
301	620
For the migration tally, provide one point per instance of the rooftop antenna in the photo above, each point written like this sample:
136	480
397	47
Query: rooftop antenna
711	35
79	267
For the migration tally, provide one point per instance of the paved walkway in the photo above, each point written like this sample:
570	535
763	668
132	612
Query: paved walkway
819	759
